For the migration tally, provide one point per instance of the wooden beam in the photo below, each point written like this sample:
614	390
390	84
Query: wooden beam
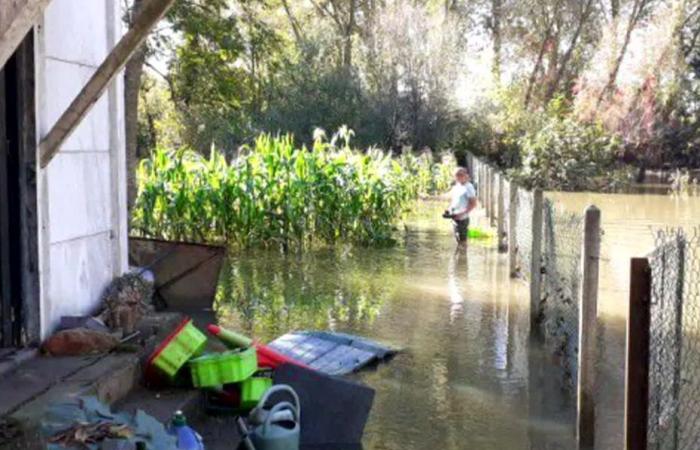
151	12
637	370
17	17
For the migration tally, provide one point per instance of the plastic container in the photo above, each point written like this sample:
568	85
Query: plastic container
253	389
217	369
185	342
187	438
268	358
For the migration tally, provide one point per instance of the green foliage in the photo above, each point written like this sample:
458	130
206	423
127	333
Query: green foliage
566	154
275	193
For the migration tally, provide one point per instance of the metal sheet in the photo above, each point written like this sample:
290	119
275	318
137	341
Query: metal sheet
186	275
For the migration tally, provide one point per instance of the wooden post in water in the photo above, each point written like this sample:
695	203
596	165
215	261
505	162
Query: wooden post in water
512	223
637	370
502	233
494	198
535	258
588	330
487	194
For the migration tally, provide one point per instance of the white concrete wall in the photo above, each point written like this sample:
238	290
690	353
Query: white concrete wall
82	193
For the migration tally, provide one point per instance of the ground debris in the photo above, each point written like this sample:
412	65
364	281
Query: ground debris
82	434
126	300
79	341
87	423
9	429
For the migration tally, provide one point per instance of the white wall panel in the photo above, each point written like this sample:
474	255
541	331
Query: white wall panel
76	30
80	269
79	195
82	209
63	82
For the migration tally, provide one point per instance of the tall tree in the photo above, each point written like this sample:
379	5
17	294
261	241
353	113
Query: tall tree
132	84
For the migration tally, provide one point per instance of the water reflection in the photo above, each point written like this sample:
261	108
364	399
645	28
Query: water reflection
467	378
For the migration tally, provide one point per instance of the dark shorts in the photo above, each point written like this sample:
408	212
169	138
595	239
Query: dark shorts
461	229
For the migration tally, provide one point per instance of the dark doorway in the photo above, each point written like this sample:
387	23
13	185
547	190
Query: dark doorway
19	324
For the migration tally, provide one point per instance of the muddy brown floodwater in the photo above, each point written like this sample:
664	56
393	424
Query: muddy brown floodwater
469	377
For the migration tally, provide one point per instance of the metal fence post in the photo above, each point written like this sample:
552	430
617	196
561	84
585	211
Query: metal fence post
512	236
535	259
588	328
502	233
637	370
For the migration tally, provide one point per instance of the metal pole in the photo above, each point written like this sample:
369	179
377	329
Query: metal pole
502	234
637	370
512	237
535	259
588	329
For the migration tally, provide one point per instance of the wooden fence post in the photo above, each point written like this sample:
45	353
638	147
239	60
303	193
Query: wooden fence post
512	236
502	233
535	258
588	329
637	370
494	194
487	194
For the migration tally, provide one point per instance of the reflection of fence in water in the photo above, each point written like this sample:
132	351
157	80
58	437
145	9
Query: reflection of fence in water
674	346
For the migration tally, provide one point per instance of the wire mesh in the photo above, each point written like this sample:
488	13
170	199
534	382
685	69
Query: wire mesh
561	283
674	351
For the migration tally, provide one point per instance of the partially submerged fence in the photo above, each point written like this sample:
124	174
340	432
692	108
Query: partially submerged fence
544	243
557	253
663	353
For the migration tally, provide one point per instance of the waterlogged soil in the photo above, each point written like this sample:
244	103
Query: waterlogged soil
469	376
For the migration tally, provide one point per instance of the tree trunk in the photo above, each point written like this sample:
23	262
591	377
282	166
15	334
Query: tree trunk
349	30
496	11
615	9
132	85
563	65
635	15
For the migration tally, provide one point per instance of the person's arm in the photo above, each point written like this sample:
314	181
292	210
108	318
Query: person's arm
471	205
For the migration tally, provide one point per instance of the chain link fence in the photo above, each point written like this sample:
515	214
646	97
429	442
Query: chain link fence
561	283
559	265
674	342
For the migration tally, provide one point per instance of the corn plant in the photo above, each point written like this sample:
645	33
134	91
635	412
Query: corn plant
277	194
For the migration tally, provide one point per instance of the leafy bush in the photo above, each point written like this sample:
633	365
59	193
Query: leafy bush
274	193
567	154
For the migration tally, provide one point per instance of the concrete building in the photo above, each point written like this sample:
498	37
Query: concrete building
63	230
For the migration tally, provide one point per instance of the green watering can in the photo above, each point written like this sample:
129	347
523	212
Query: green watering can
277	428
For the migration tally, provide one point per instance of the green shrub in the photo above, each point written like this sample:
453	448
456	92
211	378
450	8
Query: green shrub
568	155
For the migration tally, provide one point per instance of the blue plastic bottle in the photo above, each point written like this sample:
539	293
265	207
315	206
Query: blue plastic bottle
187	438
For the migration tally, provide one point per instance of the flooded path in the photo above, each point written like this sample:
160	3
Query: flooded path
469	377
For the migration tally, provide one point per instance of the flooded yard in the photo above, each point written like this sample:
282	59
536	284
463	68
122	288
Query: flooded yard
469	377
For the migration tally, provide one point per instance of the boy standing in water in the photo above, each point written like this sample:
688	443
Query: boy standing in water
463	201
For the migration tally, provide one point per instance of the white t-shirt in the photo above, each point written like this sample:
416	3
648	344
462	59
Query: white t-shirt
460	195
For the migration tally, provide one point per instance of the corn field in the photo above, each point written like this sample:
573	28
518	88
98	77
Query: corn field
276	194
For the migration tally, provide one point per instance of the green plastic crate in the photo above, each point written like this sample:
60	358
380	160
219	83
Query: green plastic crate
184	343
253	389
217	369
